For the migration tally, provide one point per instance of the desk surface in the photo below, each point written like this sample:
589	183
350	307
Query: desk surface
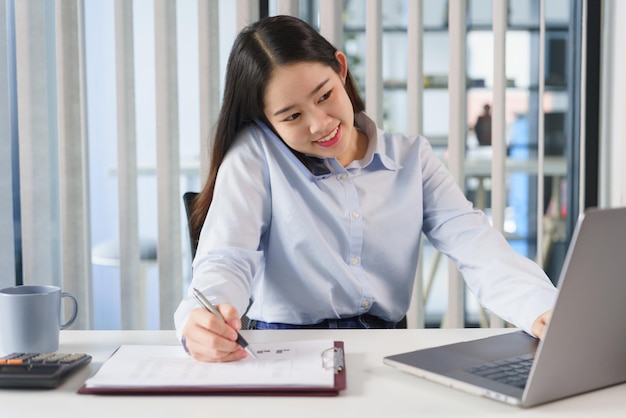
374	389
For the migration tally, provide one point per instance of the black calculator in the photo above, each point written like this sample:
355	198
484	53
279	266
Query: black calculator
35	370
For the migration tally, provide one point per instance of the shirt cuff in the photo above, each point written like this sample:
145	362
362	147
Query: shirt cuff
183	341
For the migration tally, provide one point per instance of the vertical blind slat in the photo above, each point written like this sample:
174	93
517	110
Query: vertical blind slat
609	165
497	109
456	142
7	237
247	13
415	77
37	191
168	162
540	134
612	191
331	23
209	71
582	164
289	7
73	165
415	83
498	174
373	61
130	287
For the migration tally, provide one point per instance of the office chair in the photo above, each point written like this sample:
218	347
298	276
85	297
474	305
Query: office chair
188	200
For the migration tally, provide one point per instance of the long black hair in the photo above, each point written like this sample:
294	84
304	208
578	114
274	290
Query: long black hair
258	49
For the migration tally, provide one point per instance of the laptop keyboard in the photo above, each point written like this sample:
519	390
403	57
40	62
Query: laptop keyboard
512	371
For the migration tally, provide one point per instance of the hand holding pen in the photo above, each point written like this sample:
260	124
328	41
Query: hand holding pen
212	309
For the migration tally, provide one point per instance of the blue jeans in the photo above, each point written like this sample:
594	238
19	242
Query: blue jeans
356	322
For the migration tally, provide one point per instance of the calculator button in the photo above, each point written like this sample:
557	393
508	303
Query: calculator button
72	358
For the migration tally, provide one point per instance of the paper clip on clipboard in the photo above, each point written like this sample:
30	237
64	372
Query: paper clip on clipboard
332	358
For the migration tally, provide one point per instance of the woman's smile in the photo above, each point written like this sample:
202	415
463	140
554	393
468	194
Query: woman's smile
331	139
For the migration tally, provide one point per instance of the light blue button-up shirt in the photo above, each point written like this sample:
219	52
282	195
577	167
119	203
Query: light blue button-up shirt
328	241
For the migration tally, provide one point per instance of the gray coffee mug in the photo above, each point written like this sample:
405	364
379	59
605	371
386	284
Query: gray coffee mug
30	318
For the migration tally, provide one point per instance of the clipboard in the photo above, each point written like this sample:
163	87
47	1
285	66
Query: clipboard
332	359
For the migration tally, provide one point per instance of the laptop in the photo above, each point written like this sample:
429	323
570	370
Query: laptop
584	344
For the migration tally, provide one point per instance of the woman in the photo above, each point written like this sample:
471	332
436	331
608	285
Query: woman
316	216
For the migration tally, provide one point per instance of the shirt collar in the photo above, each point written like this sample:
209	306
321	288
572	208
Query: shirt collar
376	155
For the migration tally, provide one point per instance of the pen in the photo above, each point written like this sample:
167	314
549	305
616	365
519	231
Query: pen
209	307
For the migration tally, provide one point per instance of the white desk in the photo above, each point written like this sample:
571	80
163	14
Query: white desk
374	389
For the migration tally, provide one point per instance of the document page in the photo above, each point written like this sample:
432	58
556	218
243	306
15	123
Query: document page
290	364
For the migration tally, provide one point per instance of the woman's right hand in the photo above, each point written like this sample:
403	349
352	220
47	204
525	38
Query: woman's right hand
209	339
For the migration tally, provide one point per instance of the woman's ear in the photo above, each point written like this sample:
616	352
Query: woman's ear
343	65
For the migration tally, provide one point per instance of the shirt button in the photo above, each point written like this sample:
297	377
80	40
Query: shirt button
355	260
356	215
365	304
343	177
